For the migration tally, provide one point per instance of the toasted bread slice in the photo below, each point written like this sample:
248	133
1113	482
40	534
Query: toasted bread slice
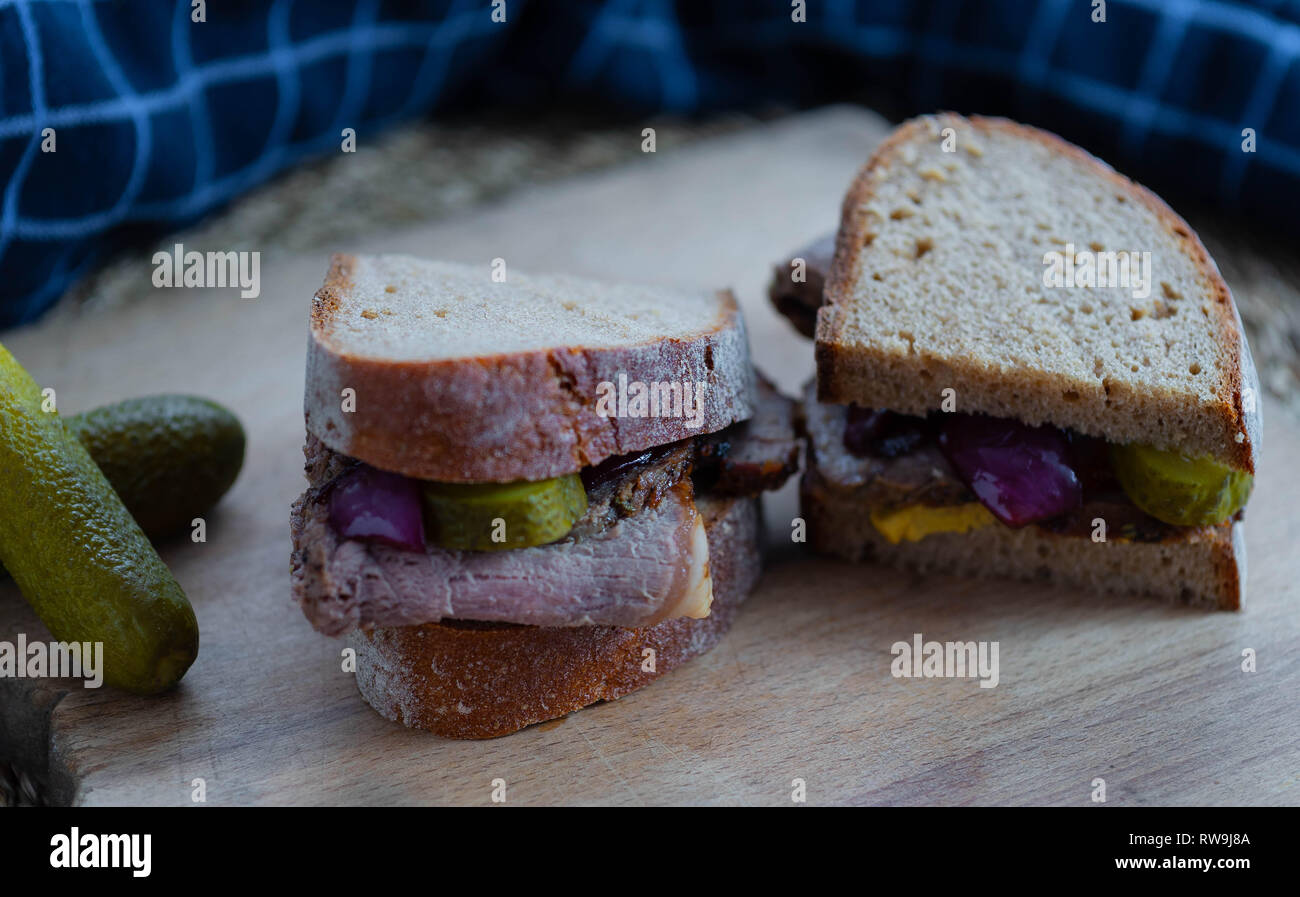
462	379
938	282
1202	565
481	680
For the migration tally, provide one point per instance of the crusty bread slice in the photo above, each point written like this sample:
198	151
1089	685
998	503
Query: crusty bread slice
481	680
1203	566
938	282
458	378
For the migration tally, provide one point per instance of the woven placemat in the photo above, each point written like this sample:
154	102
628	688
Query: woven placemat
419	173
1263	270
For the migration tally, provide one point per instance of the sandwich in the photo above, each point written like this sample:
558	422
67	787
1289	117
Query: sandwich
526	496
1028	366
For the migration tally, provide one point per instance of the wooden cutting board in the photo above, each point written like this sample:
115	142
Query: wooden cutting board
1147	696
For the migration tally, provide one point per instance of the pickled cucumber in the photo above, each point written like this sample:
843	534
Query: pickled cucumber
466	516
76	553
1179	490
169	457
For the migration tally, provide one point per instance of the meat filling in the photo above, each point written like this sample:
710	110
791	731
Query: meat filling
638	555
922	476
799	300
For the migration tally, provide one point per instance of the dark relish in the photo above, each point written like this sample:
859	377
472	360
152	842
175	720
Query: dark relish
885	434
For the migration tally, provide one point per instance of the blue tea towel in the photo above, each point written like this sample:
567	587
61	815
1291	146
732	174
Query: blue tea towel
155	118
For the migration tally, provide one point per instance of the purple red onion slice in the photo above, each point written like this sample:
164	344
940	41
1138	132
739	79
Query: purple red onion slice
378	506
1021	473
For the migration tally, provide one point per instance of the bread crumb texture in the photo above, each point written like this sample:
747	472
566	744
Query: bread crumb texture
938	282
399	308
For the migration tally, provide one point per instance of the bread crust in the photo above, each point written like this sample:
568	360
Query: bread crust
480	680
837	368
515	416
1203	566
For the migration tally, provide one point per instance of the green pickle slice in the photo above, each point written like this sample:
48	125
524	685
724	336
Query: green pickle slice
495	516
1177	489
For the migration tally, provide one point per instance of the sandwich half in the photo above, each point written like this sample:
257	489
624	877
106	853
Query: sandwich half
1027	366
526	496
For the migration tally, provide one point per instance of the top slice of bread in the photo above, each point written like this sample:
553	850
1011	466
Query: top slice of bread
938	281
462	379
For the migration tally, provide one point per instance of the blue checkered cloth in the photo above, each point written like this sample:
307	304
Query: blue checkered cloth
157	119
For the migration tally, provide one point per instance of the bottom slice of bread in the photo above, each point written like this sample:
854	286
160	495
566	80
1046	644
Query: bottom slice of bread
1204	565
481	680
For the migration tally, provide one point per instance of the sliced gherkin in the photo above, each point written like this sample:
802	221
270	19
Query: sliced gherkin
495	516
1177	489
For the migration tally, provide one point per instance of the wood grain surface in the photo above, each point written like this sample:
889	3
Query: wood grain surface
1148	696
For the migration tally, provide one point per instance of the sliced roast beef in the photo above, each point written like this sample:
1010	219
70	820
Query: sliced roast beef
628	484
920	476
754	456
638	556
649	567
743	460
799	300
323	464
